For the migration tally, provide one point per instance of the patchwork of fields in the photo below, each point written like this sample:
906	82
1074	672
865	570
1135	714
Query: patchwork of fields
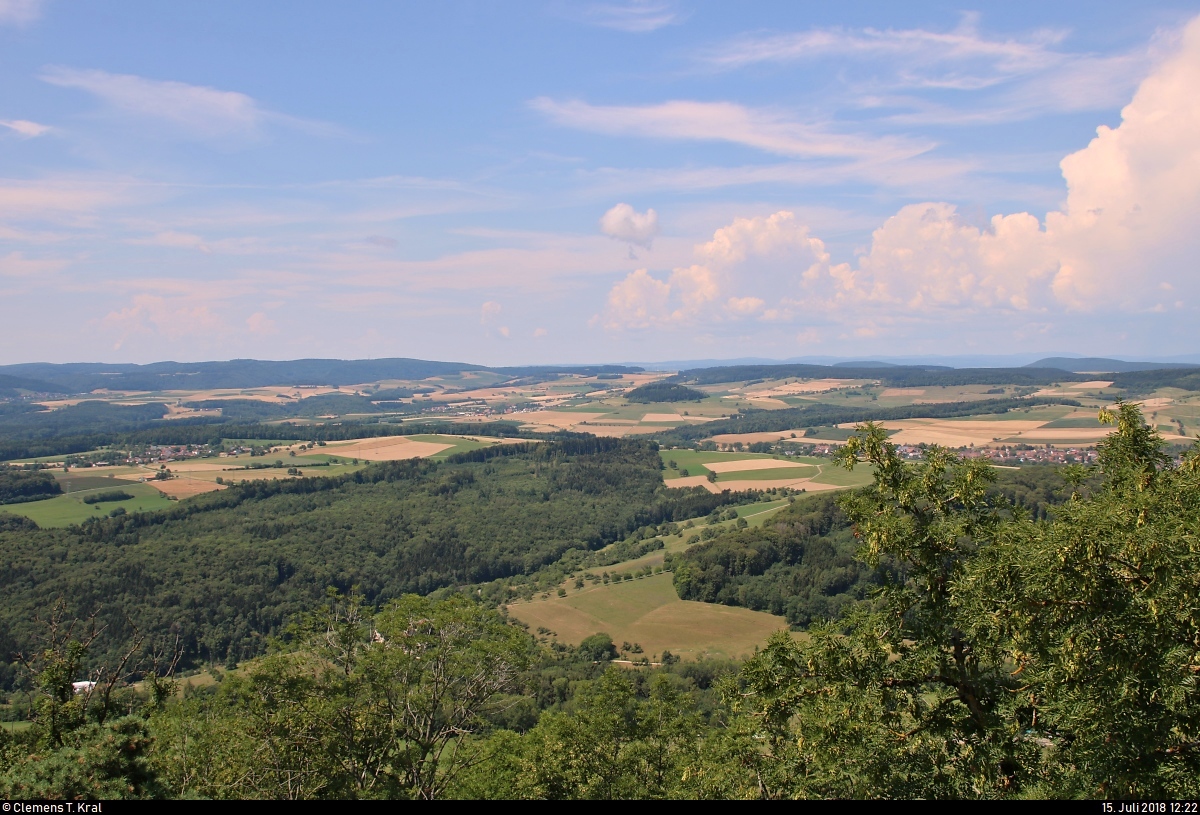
718	471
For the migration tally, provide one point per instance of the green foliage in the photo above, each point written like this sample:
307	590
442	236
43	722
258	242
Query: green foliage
598	648
664	392
1010	657
613	745
107	497
18	486
228	569
800	564
356	706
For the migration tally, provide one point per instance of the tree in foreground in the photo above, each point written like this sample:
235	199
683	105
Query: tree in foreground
358	706
1004	657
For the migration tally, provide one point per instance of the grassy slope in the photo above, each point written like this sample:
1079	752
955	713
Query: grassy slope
648	611
70	509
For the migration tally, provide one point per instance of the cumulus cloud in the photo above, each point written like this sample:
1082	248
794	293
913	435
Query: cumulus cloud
24	128
1124	241
172	319
625	223
489	311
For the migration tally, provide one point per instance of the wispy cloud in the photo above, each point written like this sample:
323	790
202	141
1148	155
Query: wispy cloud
20	12
1027	75
949	52
196	111
635	16
767	130
24	128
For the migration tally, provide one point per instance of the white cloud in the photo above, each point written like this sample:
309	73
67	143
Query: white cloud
199	111
20	12
633	16
767	130
173	319
1124	242
1030	75
24	128
625	223
919	48
489	311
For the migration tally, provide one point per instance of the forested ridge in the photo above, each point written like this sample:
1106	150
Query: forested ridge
80	431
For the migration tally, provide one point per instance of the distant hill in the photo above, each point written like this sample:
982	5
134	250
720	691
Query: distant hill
893	376
1104	365
10	385
85	377
867	364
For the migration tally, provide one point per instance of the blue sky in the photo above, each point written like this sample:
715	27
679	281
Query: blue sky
574	181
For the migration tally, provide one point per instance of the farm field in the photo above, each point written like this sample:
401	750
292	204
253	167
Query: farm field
64	510
757	471
1055	426
647	610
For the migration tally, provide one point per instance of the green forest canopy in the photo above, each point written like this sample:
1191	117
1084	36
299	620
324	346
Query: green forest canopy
664	392
1009	657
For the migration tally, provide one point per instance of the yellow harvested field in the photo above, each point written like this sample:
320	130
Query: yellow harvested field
557	418
648	612
1077	434
743	465
204	465
1097	383
1157	402
662	417
793	483
185	487
692	481
812	386
392	448
903	392
617	431
751	438
950	433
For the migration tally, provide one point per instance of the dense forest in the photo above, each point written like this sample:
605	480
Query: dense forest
664	392
1007	656
226	570
17	486
802	564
